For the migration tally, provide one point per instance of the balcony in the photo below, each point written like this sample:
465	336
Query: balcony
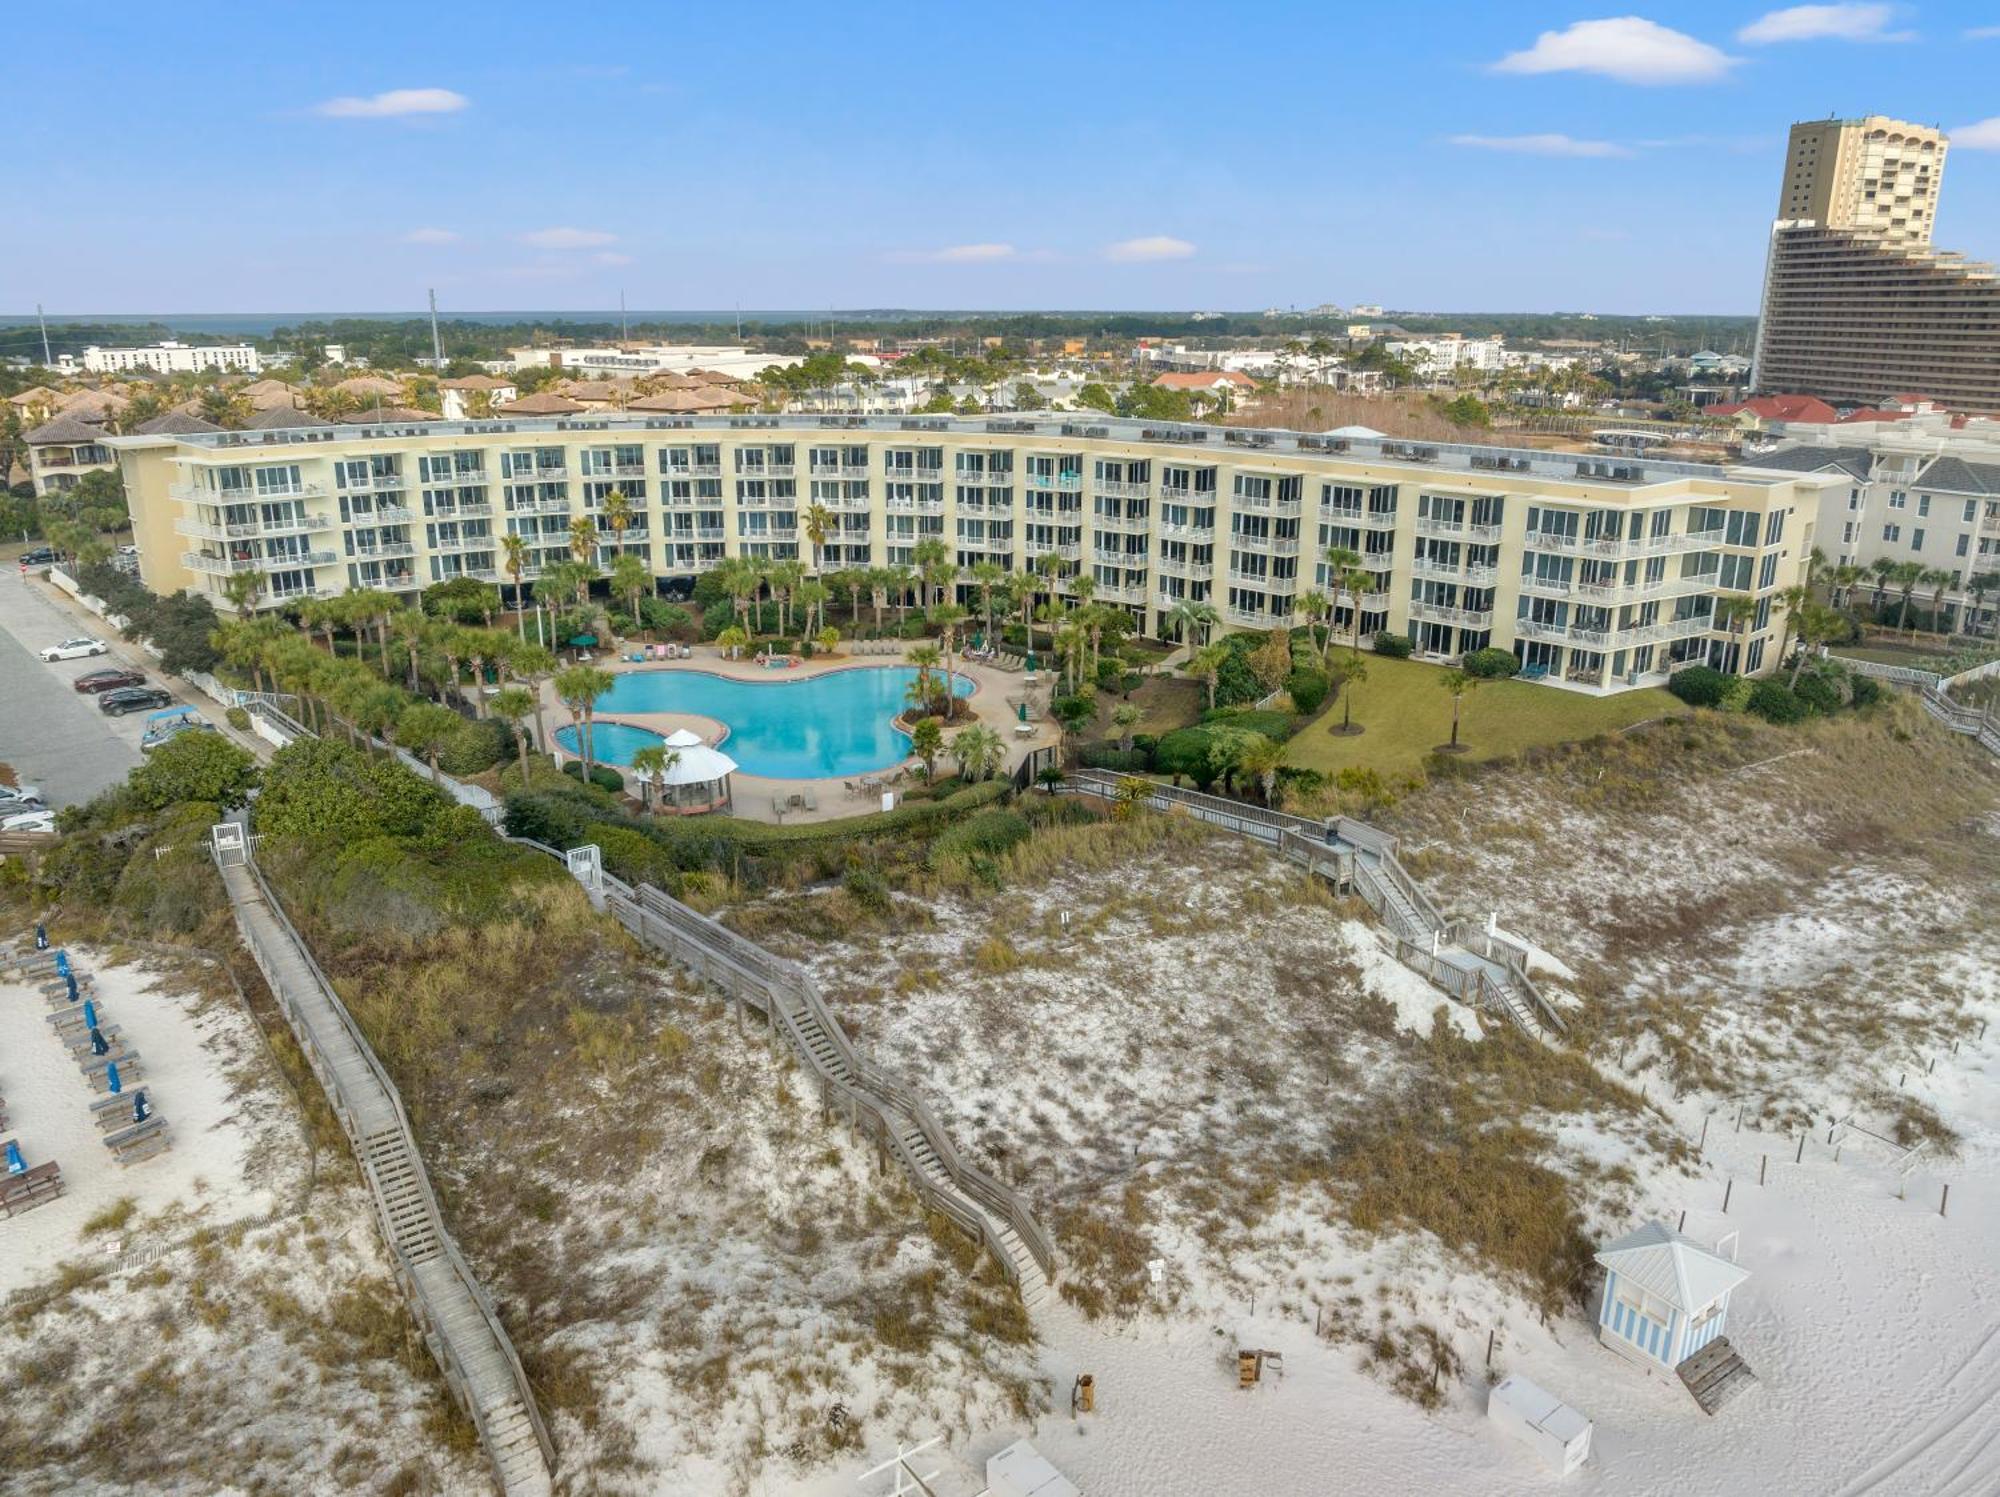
1112	488
1640	634
1375	602
1624	546
201	493
1457	529
710	533
202	531
384	550
628	470
1252	579
1062	482
386	514
1189	532
1248	618
915	506
1464	618
1362	519
557	474
1590	639
1182	566
1067	551
550	506
230	566
372	483
463	543
454	511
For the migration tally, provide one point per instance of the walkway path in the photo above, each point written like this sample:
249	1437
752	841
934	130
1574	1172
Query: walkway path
458	1320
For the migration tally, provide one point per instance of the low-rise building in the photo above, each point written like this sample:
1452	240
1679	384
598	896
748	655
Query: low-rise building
1599	573
62	450
474	395
173	358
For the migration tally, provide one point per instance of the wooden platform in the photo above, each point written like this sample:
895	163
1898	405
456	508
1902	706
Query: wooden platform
37	1187
1715	1374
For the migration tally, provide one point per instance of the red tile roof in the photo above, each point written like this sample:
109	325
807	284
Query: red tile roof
1781	408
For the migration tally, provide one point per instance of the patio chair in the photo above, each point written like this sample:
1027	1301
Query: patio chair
811	803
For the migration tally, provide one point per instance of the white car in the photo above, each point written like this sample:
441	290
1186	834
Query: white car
10	794
75	649
29	821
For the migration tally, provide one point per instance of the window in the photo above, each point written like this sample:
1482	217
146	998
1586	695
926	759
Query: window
1892	533
1767	570
1898	499
1775	532
1923	506
1917	539
1971	510
1962	542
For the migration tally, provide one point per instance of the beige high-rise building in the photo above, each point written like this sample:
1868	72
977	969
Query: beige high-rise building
1875	174
1858	305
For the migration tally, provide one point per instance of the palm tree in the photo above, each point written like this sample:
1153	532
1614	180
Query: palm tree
648	763
854	582
583	538
423	729
1263	758
514	705
1814	625
901	580
1353	671
947	617
617	517
740	580
1350	576
630	577
1125	717
243	589
1791	600
879	583
514	559
731	640
812	595
1459	683
1906	576
1938	580
988	576
1883	570
979	751
817	524
1317	606
1190	614
1979	585
1207	664
784	577
934	563
578	689
925	658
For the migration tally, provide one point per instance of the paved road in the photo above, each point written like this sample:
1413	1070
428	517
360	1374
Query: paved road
51	734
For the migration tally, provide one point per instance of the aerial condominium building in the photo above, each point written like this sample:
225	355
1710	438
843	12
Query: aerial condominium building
1602	573
1858	306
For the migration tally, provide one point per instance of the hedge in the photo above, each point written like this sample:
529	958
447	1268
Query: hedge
1699	686
476	746
987	833
1395	646
1775	702
1307	689
601	775
1276	726
1134	760
1490	664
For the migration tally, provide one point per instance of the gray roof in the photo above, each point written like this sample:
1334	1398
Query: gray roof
283	418
173	424
1805	459
1956	476
65	431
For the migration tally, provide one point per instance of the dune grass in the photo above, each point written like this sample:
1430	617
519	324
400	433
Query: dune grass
1407	714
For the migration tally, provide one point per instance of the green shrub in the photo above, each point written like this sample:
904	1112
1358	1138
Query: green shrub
1700	686
237	718
1866	692
1490	664
1775	702
1134	760
1308	688
1395	646
1235	682
662	617
1109	673
1820	691
476	746
868	889
194	767
989	833
1274	725
603	776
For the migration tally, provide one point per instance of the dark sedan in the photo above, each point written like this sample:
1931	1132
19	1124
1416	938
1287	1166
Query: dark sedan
132	699
109	680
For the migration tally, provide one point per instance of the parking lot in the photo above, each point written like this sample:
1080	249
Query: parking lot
52	734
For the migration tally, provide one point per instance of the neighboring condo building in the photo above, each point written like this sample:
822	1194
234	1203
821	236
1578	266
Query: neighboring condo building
174	358
1603	573
1857	303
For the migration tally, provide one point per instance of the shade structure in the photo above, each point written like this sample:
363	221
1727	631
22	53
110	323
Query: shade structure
698	764
696	777
682	738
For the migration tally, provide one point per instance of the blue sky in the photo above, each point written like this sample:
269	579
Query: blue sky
237	157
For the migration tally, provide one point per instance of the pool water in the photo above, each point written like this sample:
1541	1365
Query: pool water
807	727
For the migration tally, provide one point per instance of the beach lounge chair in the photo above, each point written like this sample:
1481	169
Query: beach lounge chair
811	804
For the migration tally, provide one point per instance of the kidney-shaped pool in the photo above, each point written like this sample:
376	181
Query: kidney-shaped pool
801	728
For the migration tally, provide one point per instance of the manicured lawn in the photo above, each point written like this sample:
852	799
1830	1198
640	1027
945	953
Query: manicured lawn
1407	714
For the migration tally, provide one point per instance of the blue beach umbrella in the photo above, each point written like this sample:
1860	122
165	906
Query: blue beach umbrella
16	1165
111	1078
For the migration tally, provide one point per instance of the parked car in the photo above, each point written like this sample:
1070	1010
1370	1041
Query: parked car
75	649
164	727
131	699
41	556
109	679
12	797
29	821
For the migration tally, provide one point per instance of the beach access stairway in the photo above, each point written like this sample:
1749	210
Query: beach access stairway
878	1105
1459	956
458	1320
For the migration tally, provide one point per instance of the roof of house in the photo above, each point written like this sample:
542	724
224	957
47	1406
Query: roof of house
174	424
593	389
84	402
66	429
283	417
266	393
370	384
1780	408
542	403
1205	380
1956	476
388	415
690	402
476	382
1806	459
34	395
1871	413
1671	1267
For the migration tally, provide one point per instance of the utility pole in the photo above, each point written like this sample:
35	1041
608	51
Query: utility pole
437	346
47	361
623	335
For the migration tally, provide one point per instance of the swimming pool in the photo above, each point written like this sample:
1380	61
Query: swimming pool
808	727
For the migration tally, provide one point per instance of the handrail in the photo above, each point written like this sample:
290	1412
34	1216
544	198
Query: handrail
448	1245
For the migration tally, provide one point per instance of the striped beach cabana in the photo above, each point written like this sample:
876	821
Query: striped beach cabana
1665	1296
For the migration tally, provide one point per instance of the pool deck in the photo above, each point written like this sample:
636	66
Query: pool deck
992	703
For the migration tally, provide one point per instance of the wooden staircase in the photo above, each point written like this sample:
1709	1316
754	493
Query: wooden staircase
1715	1374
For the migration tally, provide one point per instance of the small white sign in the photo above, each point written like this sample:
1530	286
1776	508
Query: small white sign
1158	1269
888	800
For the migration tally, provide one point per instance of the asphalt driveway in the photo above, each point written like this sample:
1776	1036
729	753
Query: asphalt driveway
52	734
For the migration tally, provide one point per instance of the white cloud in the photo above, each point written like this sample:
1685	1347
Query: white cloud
395	104
1984	136
958	254
610	257
1150	247
1628	48
1540	145
1805	23
430	236
1981	33
564	237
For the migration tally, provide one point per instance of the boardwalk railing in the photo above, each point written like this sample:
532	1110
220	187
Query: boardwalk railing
466	1349
876	1103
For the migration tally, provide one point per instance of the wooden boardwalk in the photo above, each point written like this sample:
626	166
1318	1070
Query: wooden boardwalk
458	1320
